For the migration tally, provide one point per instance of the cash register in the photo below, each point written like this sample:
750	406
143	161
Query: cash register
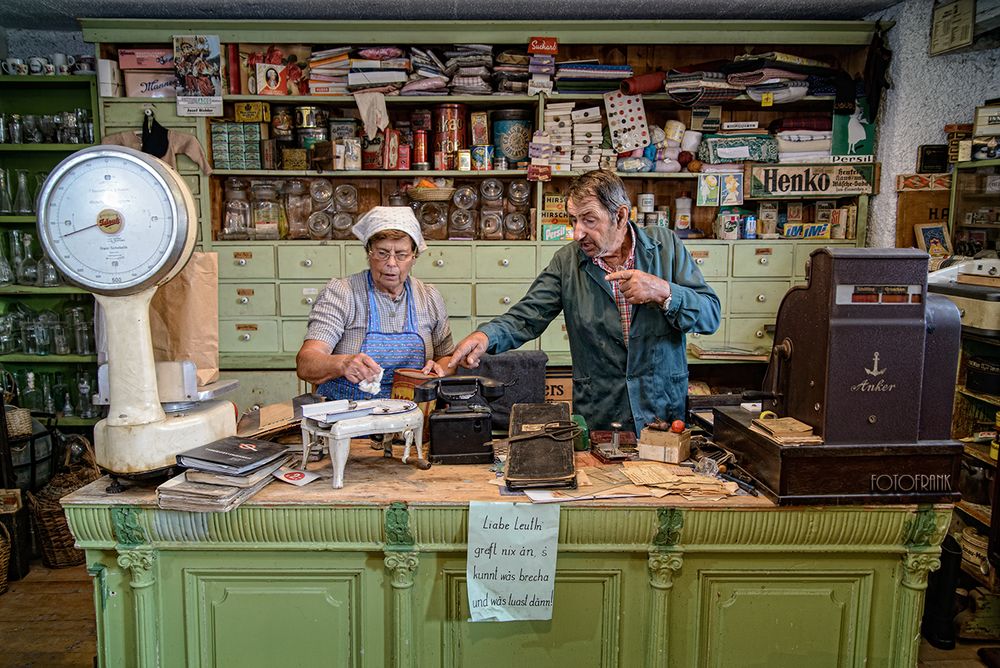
867	358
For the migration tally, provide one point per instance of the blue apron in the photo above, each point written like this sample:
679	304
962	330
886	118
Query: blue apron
390	350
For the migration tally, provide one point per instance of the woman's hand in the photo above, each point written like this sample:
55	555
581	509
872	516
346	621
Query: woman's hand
356	368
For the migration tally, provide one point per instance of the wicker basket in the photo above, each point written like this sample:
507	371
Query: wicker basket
430	194
51	528
18	421
5	547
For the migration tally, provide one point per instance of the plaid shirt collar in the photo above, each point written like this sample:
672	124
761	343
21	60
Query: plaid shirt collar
624	308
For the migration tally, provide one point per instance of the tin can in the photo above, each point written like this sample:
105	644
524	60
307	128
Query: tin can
371	151
352	153
463	161
309	136
482	158
282	125
307	117
419	146
404	156
441	160
499	163
422	119
479	122
512	133
420	165
749	228
647	202
342	128
451	133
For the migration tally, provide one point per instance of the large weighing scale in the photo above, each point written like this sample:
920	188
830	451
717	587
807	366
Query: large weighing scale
120	223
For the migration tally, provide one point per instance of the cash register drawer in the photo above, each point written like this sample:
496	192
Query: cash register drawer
246	262
496	298
257	335
756	296
762	260
712	259
297	299
439	262
505	262
317	263
243	299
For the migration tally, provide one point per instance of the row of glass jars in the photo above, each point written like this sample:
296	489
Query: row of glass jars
289	209
20	266
47	332
54	393
15	192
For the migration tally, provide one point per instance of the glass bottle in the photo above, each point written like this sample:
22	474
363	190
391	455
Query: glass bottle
27	269
67	409
236	211
22	200
298	207
48	275
6	201
48	402
266	212
83	405
6	273
59	386
16	248
31	397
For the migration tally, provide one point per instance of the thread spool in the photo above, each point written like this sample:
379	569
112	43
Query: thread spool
674	131
690	141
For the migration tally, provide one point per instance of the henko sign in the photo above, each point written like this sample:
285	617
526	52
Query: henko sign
812	180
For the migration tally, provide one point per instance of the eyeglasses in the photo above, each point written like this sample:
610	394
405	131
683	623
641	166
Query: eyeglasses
383	255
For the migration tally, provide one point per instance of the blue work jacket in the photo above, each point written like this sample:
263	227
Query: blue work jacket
612	382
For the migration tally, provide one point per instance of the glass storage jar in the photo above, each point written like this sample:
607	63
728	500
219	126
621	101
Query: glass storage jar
266	212
320	225
342	224
491	225
462	224
433	219
515	226
298	207
236	216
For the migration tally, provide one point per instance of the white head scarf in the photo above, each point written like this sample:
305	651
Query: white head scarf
390	218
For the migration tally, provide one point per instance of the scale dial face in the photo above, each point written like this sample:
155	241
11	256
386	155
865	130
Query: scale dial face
115	220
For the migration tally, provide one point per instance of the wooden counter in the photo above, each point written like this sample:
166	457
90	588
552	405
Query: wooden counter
374	575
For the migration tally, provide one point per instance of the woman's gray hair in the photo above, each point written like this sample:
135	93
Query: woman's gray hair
605	185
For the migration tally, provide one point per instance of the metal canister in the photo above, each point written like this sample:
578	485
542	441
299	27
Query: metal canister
371	151
443	161
343	128
309	136
419	146
307	116
463	160
482	158
451	132
422	119
512	133
282	125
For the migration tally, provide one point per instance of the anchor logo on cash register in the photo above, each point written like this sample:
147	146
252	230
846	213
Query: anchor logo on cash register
879	385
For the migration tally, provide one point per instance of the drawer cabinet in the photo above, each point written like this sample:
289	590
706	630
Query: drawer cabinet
555	338
712	259
129	114
460	328
317	263
243	299
762	260
246	262
750	332
545	255
505	262
356	259
297	299
292	334
756	296
256	335
722	292
495	298
717	338
444	262
457	298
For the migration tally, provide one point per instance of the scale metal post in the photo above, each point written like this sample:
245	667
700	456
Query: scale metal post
120	223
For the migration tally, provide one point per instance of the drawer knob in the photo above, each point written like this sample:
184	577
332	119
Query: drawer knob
308	300
961	313
699	260
505	300
242	262
759	333
438	263
696	335
762	298
244	300
763	260
244	337
505	262
307	263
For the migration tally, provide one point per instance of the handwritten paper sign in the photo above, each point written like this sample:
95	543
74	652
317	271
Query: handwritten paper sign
511	563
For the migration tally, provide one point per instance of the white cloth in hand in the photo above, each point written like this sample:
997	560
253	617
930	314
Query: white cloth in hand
372	386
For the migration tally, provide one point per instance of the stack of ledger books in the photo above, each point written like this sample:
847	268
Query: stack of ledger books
786	431
221	475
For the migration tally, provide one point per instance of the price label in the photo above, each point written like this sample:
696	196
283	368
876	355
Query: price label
767	100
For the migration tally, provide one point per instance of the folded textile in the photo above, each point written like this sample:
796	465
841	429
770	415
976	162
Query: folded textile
802	123
804	135
763	75
812	156
690	89
644	83
780	57
429	83
722	167
785	146
784	92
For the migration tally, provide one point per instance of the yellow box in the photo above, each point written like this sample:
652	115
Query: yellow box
294	158
252	112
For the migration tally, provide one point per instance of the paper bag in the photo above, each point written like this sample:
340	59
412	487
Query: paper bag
184	317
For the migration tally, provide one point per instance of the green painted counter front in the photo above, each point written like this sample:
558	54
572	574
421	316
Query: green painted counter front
373	583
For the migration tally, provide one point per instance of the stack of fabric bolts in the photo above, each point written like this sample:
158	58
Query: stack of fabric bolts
558	126
470	67
428	76
805	139
380	69
512	72
590	77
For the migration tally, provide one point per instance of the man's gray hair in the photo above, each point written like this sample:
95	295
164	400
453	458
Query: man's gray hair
605	185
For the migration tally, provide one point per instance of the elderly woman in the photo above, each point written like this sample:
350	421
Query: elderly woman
367	325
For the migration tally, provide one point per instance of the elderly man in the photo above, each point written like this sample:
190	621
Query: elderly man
629	295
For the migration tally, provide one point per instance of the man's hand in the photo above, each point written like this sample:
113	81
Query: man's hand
356	368
434	368
469	350
640	287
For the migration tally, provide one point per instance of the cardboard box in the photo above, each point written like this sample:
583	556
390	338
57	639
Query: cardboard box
908	182
146	59
109	78
918	207
150	83
556	232
664	446
559	385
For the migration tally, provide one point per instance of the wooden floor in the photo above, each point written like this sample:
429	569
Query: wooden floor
47	621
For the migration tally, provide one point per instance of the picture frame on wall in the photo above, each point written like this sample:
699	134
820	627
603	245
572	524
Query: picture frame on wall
933	238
